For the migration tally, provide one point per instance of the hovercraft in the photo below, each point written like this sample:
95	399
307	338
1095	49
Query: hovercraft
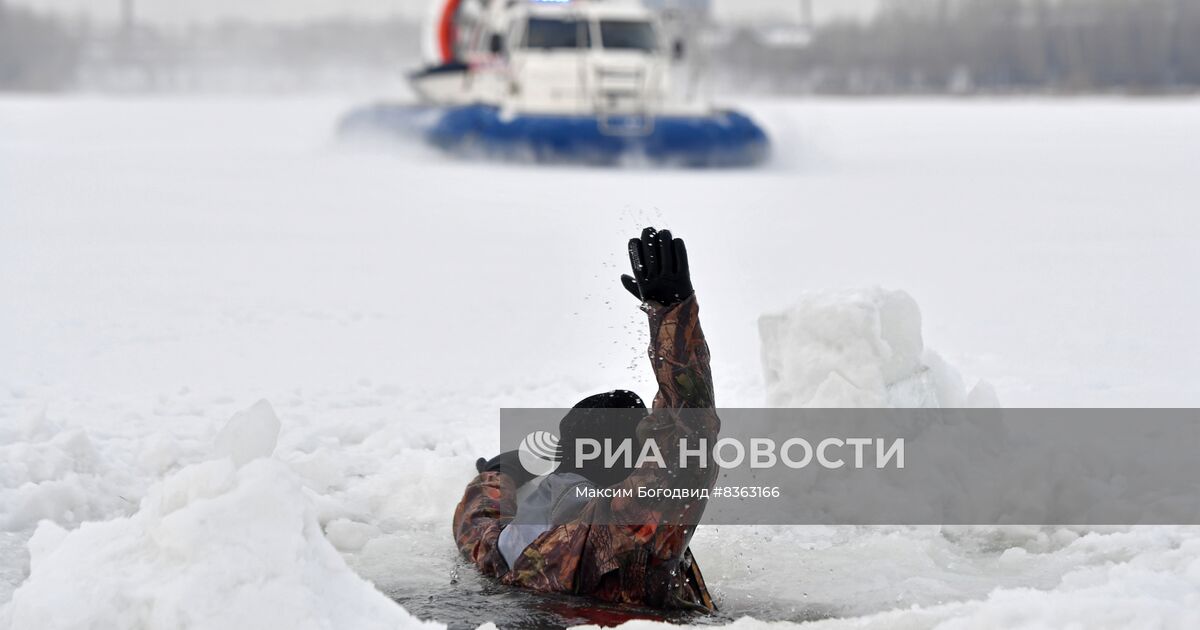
574	81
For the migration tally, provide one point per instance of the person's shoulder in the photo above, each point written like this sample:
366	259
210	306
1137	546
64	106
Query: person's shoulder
571	492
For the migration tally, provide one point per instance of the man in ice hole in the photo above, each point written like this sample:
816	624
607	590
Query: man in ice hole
625	547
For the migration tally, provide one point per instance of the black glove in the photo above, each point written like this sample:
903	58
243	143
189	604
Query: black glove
660	269
507	463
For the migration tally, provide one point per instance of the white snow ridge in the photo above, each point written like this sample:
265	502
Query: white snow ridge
858	348
225	544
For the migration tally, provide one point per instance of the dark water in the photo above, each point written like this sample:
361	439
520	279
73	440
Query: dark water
515	608
467	602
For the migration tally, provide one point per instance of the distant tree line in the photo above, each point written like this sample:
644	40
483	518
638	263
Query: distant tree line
966	46
36	52
909	47
247	56
47	52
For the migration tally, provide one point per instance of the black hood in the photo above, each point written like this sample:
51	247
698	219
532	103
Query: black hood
609	416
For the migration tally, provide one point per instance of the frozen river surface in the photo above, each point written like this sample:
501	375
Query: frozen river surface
167	263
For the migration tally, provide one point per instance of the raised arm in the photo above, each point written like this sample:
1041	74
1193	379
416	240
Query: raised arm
683	407
678	353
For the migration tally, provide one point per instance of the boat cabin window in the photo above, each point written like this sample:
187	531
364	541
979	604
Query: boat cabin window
628	35
549	33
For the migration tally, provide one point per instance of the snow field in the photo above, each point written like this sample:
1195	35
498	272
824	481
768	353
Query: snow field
174	261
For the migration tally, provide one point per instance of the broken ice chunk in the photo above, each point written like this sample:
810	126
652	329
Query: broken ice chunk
250	434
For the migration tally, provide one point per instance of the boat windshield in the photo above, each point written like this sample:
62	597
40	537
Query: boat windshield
628	35
549	33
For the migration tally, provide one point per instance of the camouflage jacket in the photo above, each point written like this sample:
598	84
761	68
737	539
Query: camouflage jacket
619	549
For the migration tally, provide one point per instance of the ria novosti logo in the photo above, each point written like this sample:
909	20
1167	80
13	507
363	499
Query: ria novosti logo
540	453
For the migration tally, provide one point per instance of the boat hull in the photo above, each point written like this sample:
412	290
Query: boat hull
722	139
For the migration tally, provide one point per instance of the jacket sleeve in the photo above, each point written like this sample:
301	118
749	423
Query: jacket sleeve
680	359
487	506
683	411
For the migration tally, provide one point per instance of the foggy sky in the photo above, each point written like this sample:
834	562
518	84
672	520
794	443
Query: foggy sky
183	11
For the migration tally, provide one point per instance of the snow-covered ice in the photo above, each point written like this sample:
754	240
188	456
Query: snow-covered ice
219	544
168	263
